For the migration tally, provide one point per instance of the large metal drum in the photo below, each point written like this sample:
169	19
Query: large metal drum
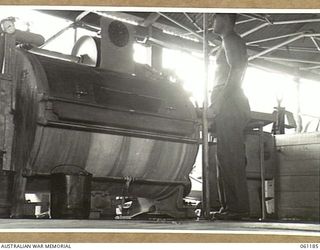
110	124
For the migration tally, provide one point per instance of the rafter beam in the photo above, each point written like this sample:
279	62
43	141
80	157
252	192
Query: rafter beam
294	60
282	44
193	22
82	15
286	48
260	17
284	22
275	38
181	26
315	43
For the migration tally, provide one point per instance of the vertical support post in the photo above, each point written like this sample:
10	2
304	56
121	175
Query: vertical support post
279	126
281	120
262	174
156	57
2	102
7	88
75	37
205	145
298	110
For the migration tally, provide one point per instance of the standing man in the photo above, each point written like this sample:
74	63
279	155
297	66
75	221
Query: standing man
230	113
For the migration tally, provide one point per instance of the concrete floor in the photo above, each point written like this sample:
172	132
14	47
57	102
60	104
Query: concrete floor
291	228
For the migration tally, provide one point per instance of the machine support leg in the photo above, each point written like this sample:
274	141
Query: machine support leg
262	175
205	146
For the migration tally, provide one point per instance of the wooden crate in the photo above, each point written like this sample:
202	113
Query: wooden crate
297	177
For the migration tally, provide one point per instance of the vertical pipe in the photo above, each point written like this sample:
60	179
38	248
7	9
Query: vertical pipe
205	146
262	175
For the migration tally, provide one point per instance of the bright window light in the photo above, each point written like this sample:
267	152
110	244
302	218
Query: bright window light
310	103
63	44
35	21
309	95
263	88
189	69
141	54
45	25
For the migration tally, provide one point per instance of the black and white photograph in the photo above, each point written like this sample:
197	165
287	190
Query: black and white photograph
159	120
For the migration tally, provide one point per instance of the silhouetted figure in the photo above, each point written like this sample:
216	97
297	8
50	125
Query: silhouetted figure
230	113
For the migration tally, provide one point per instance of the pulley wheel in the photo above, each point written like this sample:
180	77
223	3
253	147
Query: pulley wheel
88	49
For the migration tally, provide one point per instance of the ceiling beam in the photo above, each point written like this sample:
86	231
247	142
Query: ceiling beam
284	22
294	60
182	26
286	48
81	16
264	52
151	19
157	37
193	22
276	37
260	17
315	43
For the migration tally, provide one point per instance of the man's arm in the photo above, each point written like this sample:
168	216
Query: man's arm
237	59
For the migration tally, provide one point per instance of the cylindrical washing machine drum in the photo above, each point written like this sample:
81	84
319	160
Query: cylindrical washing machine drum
110	124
